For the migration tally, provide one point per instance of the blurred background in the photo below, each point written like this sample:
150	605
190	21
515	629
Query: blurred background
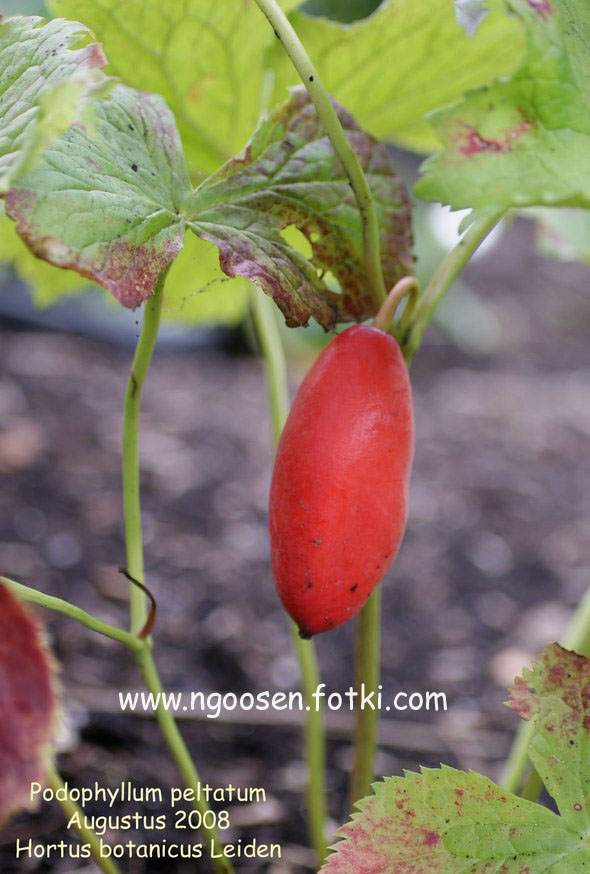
495	557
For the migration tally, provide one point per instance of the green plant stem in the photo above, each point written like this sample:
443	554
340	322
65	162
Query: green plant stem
50	603
314	744
577	638
135	566
182	757
448	269
314	732
367	661
55	782
273	355
130	458
348	157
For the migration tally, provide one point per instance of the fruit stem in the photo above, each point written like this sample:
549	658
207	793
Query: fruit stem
408	286
271	346
55	782
366	678
347	155
135	564
576	638
450	266
50	603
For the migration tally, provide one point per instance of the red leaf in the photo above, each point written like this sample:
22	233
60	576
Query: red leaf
28	704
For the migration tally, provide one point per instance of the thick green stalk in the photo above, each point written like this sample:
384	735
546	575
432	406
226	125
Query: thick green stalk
577	638
135	565
366	677
50	603
55	782
448	269
348	157
314	732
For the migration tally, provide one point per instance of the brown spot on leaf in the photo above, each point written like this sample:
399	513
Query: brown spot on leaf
523	699
471	141
131	273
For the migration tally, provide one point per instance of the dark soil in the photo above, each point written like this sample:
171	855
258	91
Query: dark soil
495	558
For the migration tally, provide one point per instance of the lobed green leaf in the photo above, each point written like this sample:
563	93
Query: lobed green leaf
106	201
112	202
450	822
525	141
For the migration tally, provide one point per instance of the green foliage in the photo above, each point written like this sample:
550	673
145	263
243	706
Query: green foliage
405	61
105	202
207	59
457	822
198	292
47	72
112	201
216	94
556	694
289	175
525	141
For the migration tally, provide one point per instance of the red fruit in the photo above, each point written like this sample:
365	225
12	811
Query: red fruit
339	493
